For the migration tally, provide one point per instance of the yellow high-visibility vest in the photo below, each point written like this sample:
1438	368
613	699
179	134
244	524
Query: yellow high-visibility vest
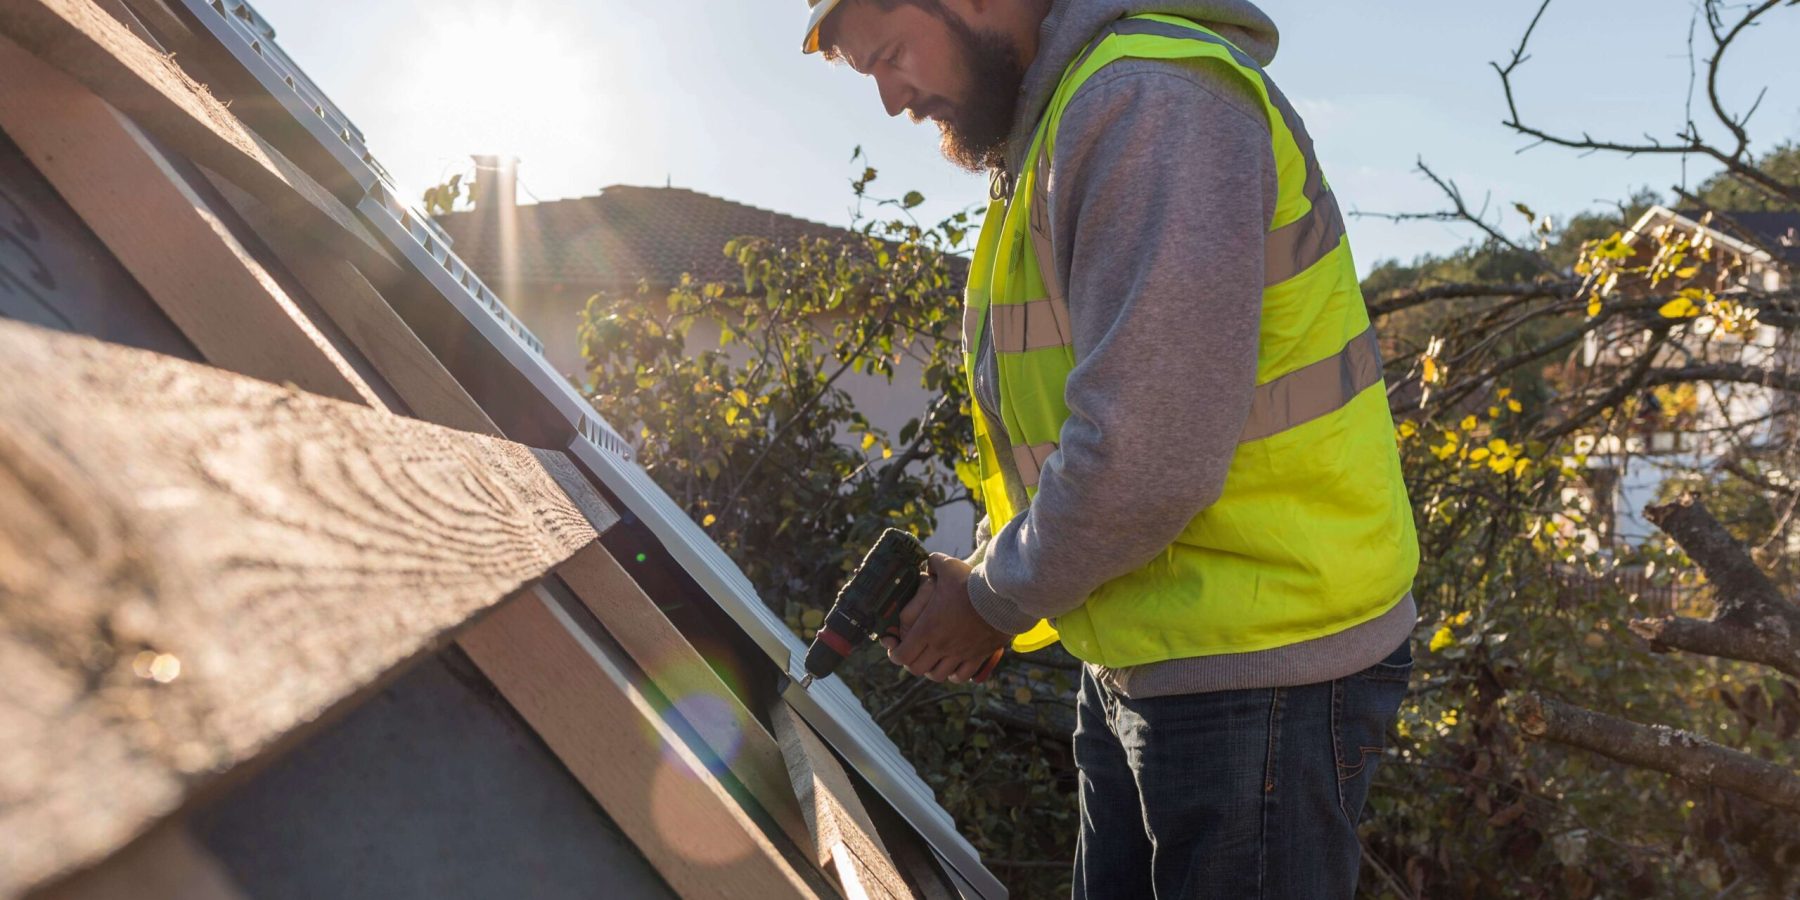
1313	533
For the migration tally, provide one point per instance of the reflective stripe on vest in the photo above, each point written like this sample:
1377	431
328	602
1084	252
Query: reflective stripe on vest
1312	531
1030	462
1294	399
1019	327
1317	390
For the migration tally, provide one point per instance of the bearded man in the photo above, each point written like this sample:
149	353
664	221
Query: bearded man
1187	460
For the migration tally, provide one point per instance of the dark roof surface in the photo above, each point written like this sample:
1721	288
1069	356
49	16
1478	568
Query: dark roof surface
623	235
1777	231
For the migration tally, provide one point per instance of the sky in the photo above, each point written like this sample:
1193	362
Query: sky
715	96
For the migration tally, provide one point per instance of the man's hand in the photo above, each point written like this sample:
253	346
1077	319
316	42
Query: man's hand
943	638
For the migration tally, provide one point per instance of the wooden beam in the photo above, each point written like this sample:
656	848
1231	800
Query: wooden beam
194	564
166	864
843	835
682	674
365	318
231	309
99	51
580	699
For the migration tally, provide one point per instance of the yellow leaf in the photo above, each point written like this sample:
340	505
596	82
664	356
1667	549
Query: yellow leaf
1469	423
868	441
1501	464
887	453
742	398
1431	371
1493	412
1514	406
708	521
1504	393
1408	429
1461	618
1444	638
1679	308
1687	272
1593	308
1478	455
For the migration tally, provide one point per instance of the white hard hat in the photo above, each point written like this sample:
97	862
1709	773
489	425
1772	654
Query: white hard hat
820	9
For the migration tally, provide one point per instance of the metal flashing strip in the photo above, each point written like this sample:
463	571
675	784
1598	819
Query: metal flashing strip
251	41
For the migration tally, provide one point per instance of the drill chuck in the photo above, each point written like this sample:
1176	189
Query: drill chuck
870	602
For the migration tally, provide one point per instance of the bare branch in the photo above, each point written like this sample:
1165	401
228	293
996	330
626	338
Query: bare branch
1668	750
1744	591
1395	301
1721	640
1688	142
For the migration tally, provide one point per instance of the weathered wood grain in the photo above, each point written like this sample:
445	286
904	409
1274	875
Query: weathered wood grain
81	39
843	835
582	702
164	233
193	564
681	674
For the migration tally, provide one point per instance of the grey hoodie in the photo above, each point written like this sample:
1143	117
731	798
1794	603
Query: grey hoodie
1162	186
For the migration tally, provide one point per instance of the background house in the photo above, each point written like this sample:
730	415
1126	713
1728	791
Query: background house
548	259
1752	251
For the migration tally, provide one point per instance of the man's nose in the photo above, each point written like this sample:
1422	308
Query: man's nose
895	96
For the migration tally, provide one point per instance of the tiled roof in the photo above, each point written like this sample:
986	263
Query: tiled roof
623	235
1777	231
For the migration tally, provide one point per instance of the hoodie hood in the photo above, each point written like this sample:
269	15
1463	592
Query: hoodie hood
1073	24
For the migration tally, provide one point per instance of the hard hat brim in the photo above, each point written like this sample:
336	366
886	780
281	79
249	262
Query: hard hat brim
820	10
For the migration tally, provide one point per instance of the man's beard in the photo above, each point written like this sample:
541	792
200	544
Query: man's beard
976	129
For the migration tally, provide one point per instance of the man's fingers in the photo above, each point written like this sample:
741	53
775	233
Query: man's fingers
940	669
910	612
910	649
967	670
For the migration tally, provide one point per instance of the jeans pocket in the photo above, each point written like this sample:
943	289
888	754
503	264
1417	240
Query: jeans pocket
1363	708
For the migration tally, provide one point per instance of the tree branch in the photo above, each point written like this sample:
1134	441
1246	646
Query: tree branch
1668	750
1745	593
1754	622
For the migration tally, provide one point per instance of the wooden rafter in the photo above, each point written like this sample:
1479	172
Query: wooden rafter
194	564
843	836
581	699
102	53
175	245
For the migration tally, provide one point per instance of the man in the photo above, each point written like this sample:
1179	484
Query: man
1187	460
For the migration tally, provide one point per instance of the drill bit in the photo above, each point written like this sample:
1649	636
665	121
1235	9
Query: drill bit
806	682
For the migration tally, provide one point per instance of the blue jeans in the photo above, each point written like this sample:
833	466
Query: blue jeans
1233	794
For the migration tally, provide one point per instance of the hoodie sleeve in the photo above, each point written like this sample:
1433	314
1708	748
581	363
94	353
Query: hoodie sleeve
1162	187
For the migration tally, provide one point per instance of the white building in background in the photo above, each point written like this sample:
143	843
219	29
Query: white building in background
1629	470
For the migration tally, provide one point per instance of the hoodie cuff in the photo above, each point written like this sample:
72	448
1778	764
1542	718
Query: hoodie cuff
1000	613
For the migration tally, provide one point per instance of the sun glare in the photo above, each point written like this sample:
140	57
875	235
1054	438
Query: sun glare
504	79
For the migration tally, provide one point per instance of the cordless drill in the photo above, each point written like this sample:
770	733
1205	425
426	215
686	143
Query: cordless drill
869	604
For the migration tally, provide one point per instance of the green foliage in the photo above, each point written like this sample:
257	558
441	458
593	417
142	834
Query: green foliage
753	432
735	395
1523	589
